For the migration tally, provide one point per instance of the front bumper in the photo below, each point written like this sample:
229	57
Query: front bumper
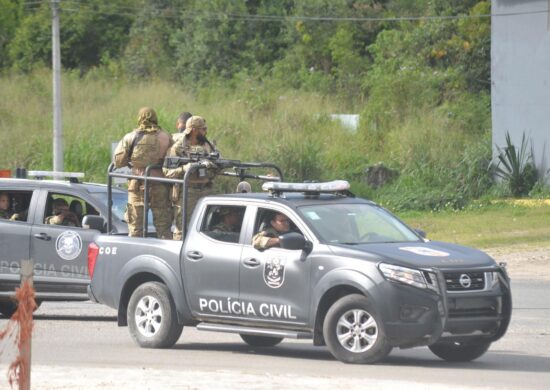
422	317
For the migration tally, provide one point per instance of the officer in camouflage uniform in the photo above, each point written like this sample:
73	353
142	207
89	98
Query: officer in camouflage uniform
269	237
230	221
200	183
62	215
146	145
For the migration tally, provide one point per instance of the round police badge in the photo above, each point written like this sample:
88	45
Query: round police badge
68	245
274	272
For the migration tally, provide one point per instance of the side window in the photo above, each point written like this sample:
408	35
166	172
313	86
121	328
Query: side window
66	210
14	205
271	223
223	223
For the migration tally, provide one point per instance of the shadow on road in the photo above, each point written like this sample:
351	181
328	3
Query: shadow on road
67	317
495	361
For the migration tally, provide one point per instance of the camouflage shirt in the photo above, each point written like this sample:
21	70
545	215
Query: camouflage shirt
260	240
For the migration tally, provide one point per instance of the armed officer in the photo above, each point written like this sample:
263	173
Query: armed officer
193	142
146	145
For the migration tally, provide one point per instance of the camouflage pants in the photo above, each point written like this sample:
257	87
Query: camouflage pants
193	196
160	207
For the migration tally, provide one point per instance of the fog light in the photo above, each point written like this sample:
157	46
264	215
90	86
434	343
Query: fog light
411	313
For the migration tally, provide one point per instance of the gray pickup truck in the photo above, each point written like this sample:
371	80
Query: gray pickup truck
348	274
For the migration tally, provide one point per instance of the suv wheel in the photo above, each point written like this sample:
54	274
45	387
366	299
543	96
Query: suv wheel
152	317
261	341
460	351
7	308
353	331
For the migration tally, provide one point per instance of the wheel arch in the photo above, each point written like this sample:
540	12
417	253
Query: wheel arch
150	269
333	287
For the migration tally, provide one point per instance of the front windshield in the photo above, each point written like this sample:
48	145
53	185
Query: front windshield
356	223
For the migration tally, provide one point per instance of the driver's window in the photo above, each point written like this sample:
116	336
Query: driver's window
66	210
271	224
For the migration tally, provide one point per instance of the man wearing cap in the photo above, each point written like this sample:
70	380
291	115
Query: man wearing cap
146	145
192	142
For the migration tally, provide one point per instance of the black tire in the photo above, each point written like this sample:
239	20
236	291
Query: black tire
460	351
261	341
370	343
7	308
152	317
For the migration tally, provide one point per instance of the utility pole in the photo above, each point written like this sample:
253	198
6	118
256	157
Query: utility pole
56	67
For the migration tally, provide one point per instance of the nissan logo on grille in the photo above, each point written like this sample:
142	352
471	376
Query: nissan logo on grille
465	281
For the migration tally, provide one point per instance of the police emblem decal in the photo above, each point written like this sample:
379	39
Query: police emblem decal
274	272
68	245
424	251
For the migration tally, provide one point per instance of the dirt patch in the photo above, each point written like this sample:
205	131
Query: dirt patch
524	262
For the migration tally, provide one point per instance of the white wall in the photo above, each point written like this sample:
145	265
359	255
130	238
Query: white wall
520	75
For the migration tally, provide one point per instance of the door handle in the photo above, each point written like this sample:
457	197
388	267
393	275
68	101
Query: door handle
194	255
43	236
252	262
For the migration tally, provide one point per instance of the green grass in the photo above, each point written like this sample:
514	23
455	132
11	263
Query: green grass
485	226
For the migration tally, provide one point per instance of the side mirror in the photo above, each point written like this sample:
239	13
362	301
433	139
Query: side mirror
294	241
95	222
420	232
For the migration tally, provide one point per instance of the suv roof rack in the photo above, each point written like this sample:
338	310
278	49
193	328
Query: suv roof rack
72	176
337	187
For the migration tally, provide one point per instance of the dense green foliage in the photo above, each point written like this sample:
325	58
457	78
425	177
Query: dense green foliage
266	75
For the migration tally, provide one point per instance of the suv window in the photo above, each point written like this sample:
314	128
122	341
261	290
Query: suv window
18	203
223	222
69	209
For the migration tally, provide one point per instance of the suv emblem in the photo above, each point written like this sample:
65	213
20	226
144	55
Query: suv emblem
465	281
274	272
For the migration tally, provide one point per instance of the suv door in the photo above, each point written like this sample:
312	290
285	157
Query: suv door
210	263
60	252
275	280
14	237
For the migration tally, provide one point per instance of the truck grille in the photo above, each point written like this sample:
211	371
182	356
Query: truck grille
464	281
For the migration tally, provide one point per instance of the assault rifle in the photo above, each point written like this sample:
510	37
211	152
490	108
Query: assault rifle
174	162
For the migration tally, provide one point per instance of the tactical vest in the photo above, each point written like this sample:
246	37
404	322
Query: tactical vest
147	150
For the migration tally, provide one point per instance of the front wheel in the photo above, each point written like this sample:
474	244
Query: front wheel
460	351
261	341
152	317
354	332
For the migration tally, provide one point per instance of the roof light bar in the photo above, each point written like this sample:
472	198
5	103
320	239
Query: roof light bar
330	186
56	175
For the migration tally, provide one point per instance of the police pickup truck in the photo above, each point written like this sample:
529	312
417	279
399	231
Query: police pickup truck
348	274
59	252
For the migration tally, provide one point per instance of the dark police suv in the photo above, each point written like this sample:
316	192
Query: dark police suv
348	275
59	252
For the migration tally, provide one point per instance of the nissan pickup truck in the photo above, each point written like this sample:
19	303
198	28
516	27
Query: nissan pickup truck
59	252
346	274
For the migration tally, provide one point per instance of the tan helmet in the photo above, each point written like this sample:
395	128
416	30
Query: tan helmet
147	117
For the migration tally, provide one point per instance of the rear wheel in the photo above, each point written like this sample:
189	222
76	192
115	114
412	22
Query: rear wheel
460	351
260	341
152	317
354	332
7	308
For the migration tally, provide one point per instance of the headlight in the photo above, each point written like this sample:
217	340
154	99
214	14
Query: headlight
404	275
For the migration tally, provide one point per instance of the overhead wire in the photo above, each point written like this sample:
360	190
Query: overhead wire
173	13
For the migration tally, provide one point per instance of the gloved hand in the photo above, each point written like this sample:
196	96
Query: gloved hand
209	164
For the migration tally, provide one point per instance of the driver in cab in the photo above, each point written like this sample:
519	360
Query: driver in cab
62	215
269	237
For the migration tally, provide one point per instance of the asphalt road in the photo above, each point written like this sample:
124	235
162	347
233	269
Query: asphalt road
78	345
